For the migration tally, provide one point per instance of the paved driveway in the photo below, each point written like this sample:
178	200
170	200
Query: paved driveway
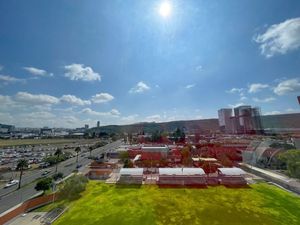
32	218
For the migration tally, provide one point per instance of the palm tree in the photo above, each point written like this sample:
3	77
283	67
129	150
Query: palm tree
77	150
90	150
22	164
57	153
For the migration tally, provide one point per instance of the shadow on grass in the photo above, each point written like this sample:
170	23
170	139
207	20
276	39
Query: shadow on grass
132	186
182	186
240	186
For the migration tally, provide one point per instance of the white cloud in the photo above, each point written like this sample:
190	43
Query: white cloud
291	110
153	118
130	118
139	88
79	72
6	118
236	105
115	112
190	86
253	88
235	90
280	38
243	98
102	97
287	86
41	115
7	78
5	99
25	97
199	68
89	111
264	100
71	99
272	113
37	72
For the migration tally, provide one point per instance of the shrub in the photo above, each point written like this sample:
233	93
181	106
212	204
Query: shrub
58	176
73	187
44	184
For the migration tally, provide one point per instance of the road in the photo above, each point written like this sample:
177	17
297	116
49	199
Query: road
10	197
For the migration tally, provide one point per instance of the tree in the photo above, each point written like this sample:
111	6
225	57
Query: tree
77	150
186	156
58	176
179	135
50	159
156	136
57	153
292	160
124	156
44	184
128	163
225	161
72	187
90	150
21	165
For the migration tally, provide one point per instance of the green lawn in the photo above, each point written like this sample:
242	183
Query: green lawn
107	204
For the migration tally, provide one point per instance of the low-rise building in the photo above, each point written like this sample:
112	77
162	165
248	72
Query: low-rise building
232	176
181	177
131	176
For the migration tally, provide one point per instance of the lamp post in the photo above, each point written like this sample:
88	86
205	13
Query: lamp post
53	190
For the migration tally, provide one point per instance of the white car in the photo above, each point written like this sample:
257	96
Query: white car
11	183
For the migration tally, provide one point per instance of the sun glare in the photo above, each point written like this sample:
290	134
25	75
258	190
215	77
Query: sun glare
165	9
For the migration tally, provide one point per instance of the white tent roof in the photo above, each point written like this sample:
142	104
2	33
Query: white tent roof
155	148
131	171
170	171
234	171
193	171
181	171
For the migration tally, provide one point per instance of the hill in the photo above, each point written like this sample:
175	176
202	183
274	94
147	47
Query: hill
190	125
281	121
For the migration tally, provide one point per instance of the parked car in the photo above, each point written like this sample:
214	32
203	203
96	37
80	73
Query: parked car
11	183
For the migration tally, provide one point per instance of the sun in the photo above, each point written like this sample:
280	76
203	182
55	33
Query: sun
165	9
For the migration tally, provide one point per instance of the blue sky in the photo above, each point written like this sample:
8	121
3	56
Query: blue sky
70	63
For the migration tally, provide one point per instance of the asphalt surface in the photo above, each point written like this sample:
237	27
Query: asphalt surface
10	197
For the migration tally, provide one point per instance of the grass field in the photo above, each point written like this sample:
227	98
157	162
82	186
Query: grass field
109	205
17	142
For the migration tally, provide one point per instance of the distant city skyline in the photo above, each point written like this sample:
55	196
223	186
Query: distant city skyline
71	63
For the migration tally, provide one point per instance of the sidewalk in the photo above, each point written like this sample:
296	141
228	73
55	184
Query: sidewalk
291	184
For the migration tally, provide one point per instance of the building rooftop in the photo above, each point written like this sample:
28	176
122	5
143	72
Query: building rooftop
181	171
234	171
132	171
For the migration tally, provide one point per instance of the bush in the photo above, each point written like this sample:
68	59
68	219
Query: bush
73	187
44	184
58	176
292	159
124	156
